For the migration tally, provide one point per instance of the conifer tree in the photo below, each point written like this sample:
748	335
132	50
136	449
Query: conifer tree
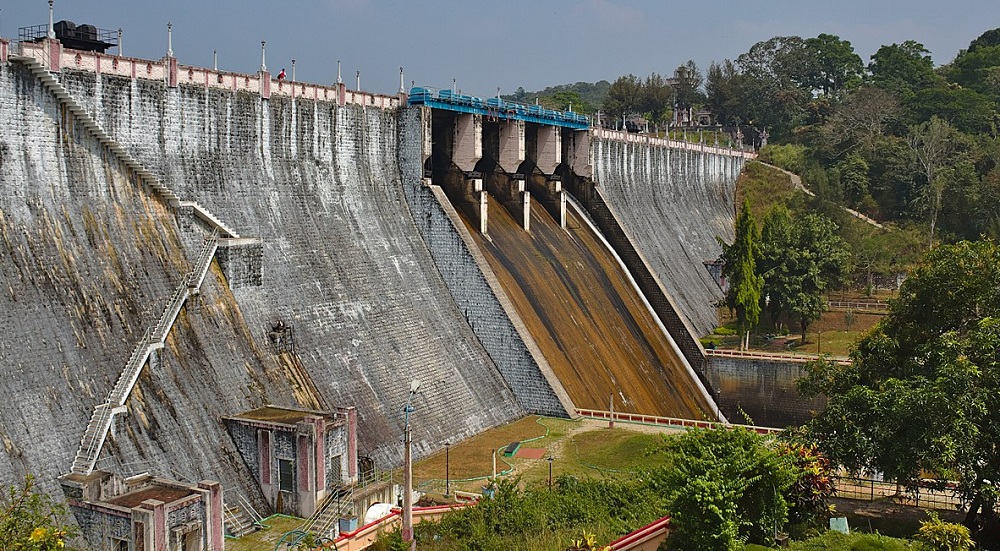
740	268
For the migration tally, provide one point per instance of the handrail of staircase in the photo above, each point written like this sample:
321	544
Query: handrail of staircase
91	447
139	353
204	262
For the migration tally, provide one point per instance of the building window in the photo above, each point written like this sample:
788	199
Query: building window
119	545
285	482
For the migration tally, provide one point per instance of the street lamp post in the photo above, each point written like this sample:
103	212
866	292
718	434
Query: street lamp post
447	470
550	473
408	472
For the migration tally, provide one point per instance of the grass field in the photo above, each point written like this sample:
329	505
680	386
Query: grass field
834	333
581	448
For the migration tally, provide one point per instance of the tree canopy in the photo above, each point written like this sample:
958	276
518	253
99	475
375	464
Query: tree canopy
922	394
724	487
801	259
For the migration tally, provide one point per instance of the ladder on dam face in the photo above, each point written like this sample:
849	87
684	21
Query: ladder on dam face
74	107
153	339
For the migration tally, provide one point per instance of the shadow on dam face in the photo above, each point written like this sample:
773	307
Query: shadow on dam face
589	322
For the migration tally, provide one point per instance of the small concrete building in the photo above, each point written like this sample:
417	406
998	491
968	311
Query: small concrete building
298	456
144	513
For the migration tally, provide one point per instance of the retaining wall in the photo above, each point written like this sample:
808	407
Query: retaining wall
762	388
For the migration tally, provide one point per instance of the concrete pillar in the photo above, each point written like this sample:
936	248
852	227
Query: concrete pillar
214	529
304	466
511	145
548	149
142	529
510	190
155	524
268	485
352	441
319	457
479	201
549	192
468	143
578	154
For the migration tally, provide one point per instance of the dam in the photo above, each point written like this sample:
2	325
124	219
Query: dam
237	242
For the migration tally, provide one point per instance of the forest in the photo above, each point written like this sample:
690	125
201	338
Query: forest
898	139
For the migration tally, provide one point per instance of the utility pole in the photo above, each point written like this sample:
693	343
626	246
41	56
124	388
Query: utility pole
447	470
408	472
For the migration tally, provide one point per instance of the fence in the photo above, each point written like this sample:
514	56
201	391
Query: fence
924	495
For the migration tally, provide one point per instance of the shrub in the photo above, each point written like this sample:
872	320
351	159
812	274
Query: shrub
944	536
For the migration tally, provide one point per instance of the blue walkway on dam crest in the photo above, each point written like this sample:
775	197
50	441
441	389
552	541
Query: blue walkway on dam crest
496	107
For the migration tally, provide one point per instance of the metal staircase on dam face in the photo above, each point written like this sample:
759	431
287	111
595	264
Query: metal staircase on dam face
153	339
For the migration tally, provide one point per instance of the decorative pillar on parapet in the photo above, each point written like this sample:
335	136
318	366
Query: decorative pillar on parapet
170	59
53	49
265	77
51	33
170	39
341	88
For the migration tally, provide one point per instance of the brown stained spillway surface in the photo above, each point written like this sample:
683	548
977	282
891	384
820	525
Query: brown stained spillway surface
586	317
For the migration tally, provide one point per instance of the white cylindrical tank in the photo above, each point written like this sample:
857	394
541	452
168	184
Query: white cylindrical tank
377	511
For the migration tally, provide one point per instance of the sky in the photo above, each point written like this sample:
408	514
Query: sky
500	43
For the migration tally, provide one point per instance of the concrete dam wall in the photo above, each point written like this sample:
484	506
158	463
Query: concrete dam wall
88	256
345	244
87	259
672	204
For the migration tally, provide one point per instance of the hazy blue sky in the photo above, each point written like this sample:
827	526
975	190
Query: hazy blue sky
506	43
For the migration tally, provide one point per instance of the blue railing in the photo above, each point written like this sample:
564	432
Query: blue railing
496	107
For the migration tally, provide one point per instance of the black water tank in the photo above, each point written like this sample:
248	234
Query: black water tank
82	37
65	29
87	32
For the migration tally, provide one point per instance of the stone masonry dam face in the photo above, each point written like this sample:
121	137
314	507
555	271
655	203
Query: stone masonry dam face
88	257
363	261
